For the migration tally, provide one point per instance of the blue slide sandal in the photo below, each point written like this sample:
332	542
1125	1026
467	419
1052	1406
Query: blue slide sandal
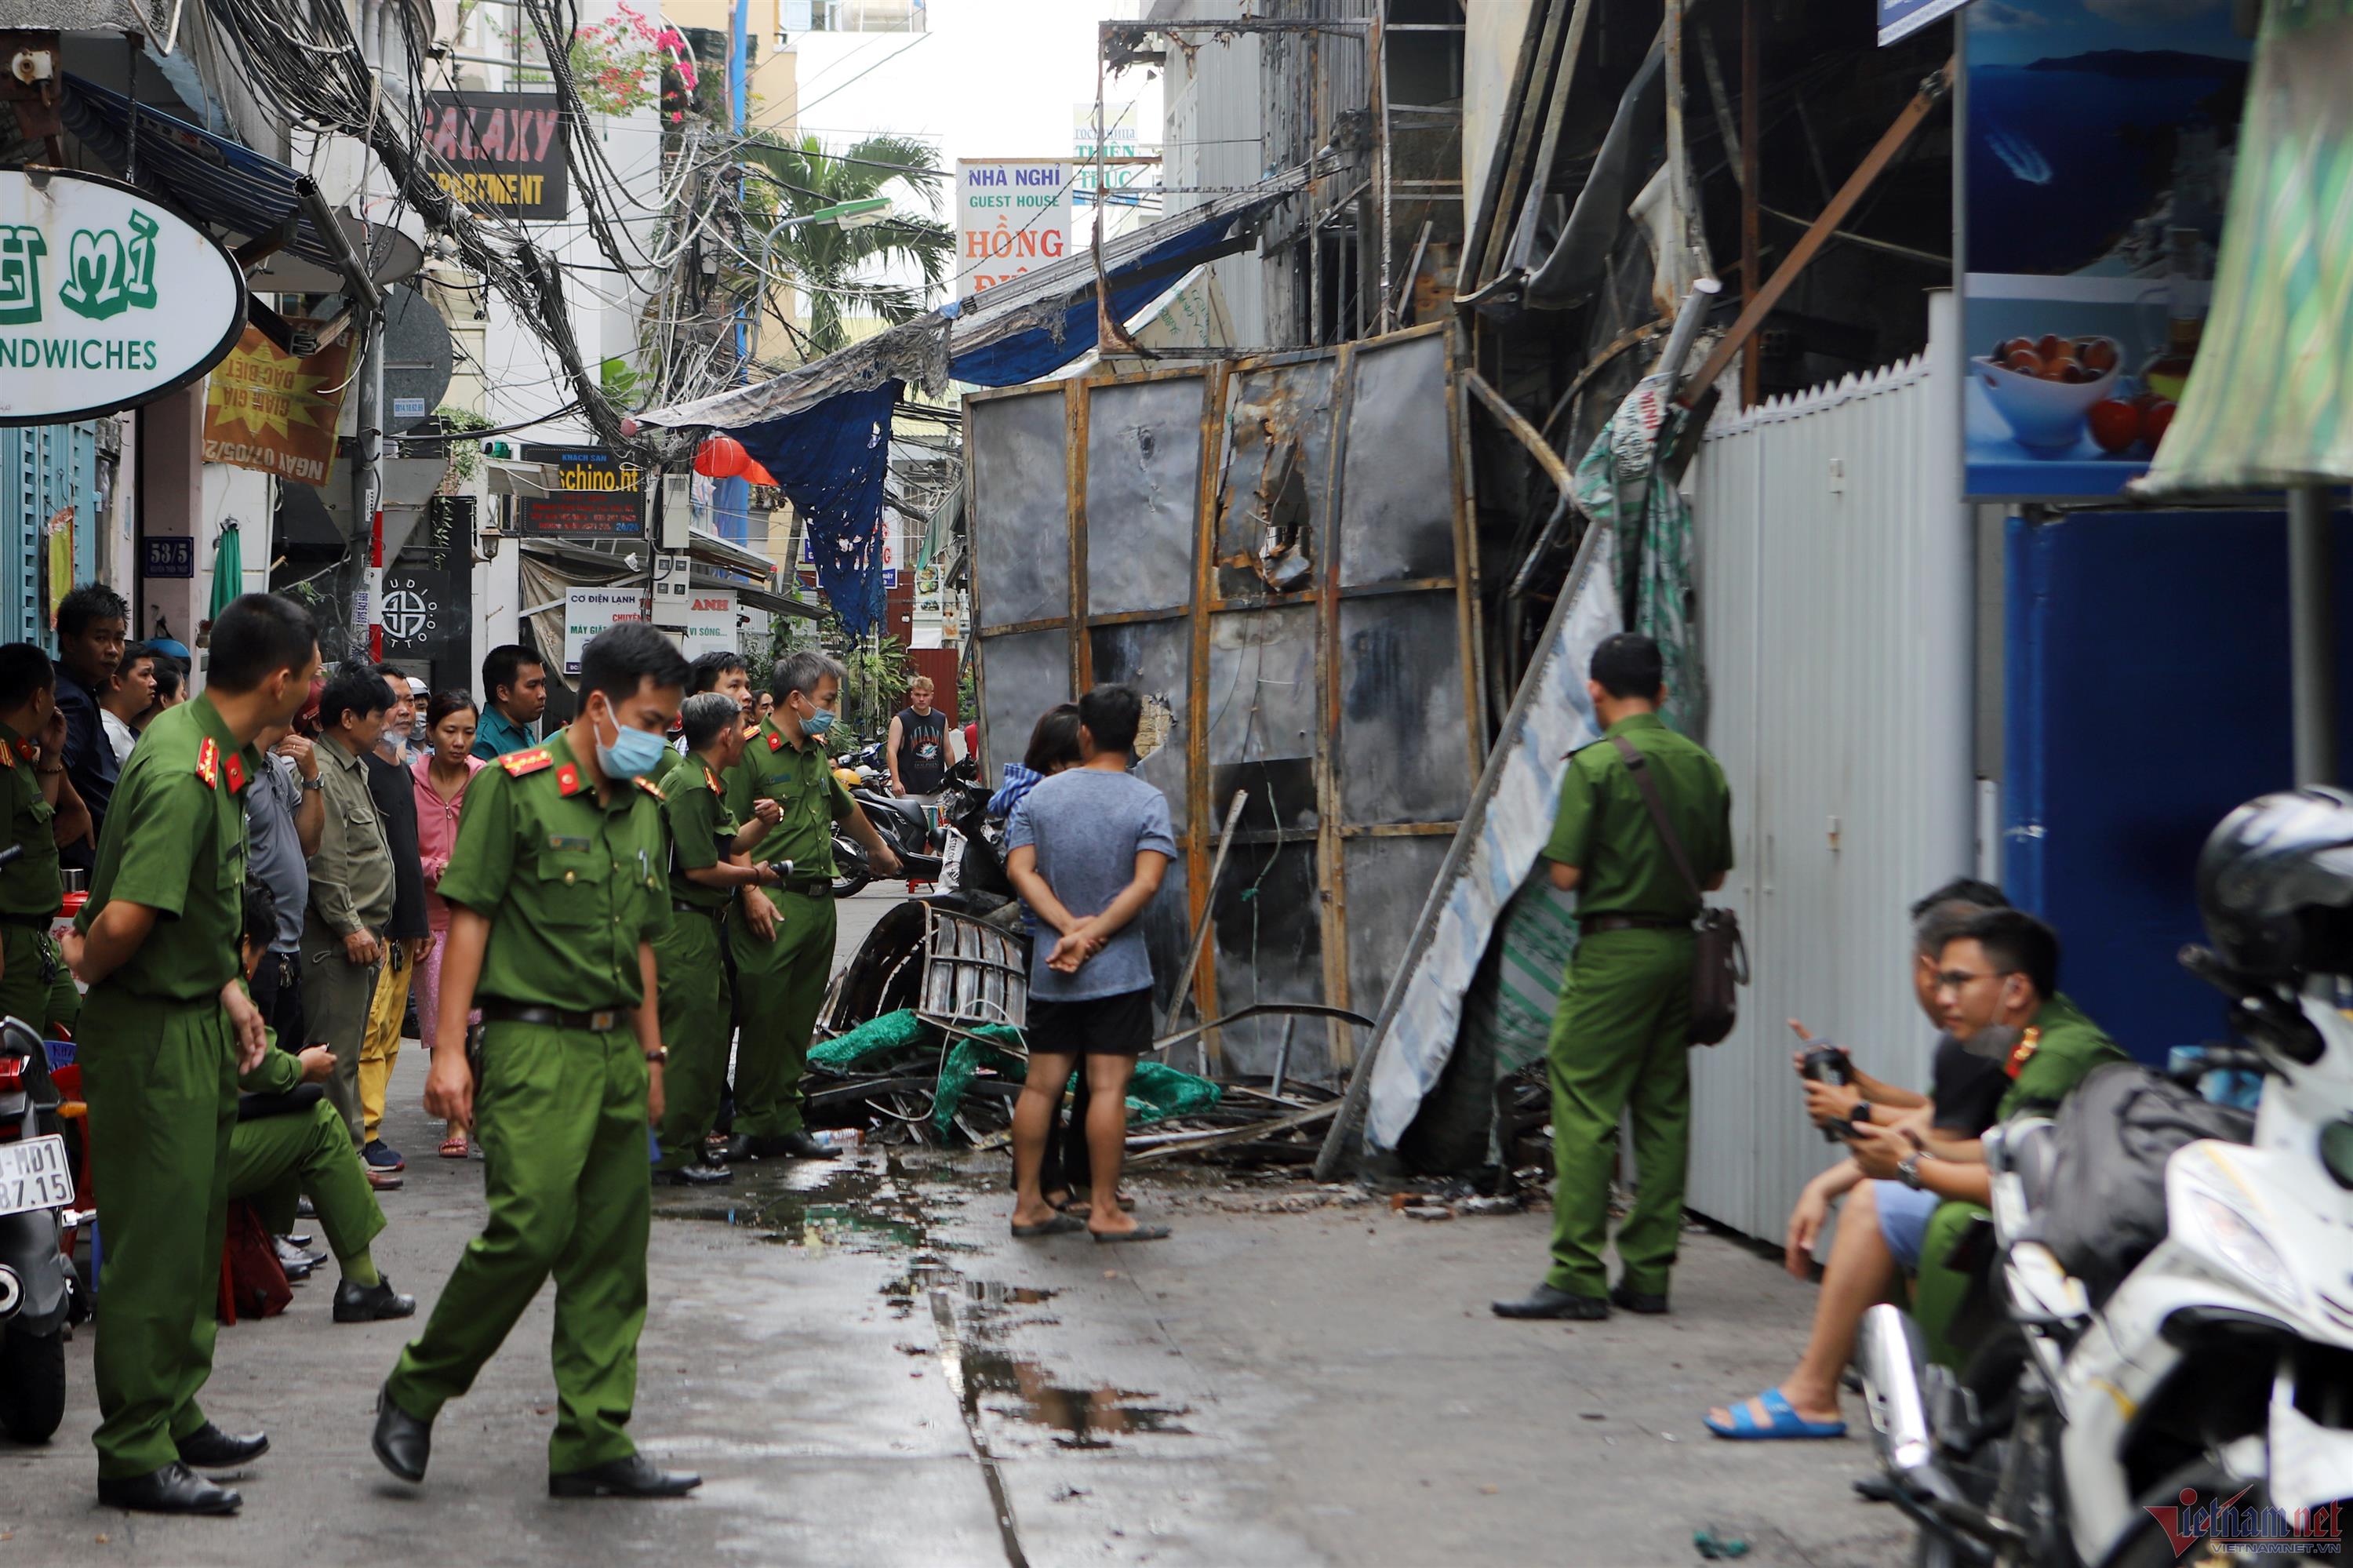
1785	1423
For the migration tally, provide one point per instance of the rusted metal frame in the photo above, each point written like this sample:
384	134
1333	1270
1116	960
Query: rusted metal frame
1403	585
1200	926
1197	703
1051	623
1466	586
1378	67
1752	315
1413	269
1265	602
1075	411
1136	617
1484	229
1329	875
1751	242
1399	830
1694	237
1520	429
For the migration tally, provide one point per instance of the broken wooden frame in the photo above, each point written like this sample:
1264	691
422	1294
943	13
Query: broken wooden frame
1279	550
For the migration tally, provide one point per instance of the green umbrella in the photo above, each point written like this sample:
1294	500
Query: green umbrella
228	570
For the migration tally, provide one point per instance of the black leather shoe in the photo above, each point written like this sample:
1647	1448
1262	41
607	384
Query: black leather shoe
1650	1303
402	1442
210	1448
727	1150
174	1489
634	1476
357	1303
1546	1302
695	1176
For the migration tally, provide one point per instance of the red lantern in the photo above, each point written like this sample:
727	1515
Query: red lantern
721	457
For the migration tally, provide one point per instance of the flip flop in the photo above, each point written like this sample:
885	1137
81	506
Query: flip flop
1785	1423
1140	1233
1059	1226
453	1149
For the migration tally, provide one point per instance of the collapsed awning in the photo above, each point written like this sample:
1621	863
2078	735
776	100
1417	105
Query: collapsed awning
1018	330
230	186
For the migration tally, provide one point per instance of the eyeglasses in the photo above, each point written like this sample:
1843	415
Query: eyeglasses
1960	979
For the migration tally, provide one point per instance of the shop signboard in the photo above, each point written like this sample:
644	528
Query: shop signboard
2098	143
589	610
1013	216
710	622
268	410
586	468
500	153
108	300
582	515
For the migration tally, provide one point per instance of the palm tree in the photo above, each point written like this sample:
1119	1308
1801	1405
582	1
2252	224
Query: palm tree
840	270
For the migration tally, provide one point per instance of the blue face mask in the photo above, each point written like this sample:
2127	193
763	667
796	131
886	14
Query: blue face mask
817	723
633	751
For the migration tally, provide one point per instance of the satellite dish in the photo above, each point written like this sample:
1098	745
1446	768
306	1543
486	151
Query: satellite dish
417	358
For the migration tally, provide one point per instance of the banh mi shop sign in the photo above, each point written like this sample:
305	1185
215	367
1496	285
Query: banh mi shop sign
107	299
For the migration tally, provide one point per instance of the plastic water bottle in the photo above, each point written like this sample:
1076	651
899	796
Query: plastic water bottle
839	1138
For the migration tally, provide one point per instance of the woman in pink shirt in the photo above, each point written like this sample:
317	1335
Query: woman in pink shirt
441	777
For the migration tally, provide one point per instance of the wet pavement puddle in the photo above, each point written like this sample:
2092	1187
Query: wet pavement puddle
889	1206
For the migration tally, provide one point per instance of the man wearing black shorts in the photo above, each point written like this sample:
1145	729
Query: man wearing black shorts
1088	849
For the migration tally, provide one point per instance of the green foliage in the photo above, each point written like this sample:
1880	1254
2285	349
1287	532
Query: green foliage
465	457
834	267
879	671
967	691
621	385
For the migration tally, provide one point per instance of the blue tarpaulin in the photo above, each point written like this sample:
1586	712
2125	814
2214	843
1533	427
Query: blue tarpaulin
829	461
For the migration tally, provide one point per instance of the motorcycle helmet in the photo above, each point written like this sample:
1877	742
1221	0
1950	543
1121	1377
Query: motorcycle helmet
2276	885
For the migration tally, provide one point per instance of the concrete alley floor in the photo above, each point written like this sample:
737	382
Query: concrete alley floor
868	1370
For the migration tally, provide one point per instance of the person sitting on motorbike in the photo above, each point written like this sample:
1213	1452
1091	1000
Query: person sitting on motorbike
1981	972
291	1150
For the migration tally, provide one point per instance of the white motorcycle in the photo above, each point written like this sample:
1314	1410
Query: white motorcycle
2197	1409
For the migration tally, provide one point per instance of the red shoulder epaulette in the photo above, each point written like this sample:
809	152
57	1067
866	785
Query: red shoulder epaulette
9	755
208	764
521	764
713	779
650	788
750	730
567	780
776	741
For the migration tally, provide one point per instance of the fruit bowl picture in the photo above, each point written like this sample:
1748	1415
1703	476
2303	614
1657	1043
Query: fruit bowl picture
2044	389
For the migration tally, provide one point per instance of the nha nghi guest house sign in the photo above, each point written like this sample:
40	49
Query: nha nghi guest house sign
107	299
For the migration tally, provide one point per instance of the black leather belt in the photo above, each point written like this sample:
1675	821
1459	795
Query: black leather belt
716	911
602	1022
811	885
1593	925
31	922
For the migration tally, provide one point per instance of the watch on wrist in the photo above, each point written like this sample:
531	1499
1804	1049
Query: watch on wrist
311	783
658	1055
1907	1170
1862	1112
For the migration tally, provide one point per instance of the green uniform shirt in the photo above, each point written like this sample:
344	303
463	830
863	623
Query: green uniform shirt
2066	1047
175	842
1604	828
570	886
700	827
800	779
30	887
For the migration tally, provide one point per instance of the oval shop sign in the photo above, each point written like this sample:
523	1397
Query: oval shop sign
107	299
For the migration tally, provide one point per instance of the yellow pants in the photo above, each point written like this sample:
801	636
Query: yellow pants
381	1045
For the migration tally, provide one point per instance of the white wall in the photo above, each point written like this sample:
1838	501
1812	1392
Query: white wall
1835	588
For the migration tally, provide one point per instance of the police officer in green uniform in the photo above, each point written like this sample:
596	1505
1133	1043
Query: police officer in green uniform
706	866
1619	1036
44	812
556	893
784	947
164	1032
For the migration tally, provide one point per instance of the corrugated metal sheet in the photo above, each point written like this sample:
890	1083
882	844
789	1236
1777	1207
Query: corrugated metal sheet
1835	589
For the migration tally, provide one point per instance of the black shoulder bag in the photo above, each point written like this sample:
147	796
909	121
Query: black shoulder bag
1719	961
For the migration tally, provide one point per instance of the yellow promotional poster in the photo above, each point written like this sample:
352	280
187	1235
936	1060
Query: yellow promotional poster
266	410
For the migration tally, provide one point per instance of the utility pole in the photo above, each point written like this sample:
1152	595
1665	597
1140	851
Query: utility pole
364	557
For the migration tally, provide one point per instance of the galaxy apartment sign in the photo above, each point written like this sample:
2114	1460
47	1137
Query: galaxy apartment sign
498	152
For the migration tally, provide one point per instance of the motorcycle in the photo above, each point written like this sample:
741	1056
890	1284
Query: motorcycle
2198	1394
36	1229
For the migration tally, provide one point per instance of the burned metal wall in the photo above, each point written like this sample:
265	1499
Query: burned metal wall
1277	553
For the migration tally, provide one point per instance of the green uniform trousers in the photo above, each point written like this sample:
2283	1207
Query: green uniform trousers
161	1081
561	1116
779	987
1618	1045
275	1161
696	1024
1940	1291
35	985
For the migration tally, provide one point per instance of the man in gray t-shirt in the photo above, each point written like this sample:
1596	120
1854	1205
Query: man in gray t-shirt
1087	850
284	812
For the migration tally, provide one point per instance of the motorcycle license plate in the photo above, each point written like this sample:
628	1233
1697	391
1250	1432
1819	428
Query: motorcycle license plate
32	1175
